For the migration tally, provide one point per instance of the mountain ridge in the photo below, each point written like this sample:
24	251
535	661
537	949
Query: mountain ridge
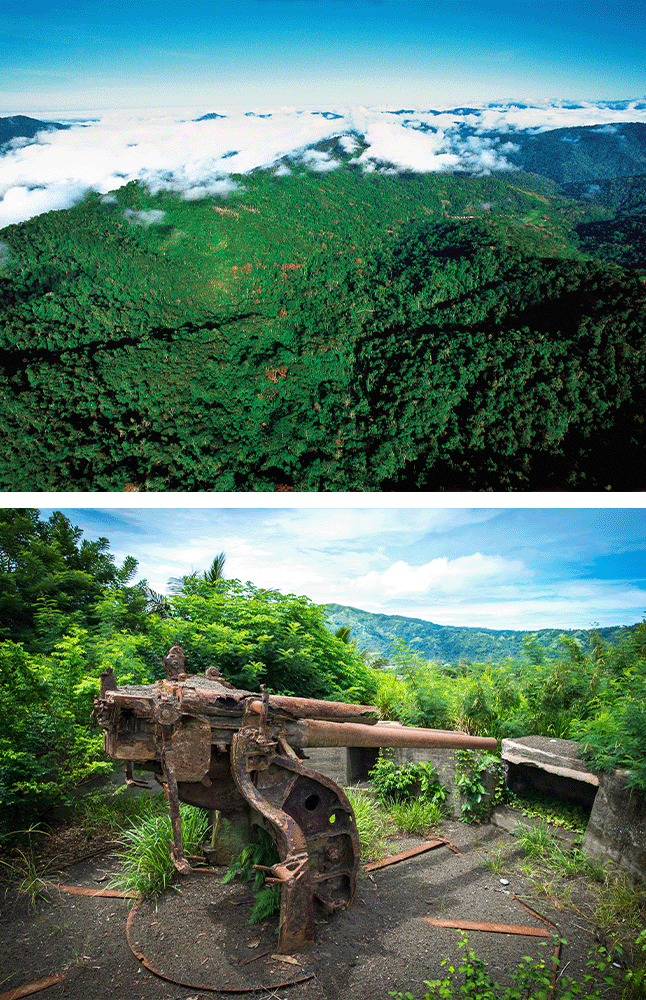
451	643
23	127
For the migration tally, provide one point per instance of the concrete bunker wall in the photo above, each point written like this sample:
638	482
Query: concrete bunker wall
551	766
616	828
351	766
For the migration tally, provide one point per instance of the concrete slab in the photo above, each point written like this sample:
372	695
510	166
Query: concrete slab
559	757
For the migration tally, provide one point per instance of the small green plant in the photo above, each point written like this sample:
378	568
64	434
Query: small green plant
470	770
264	852
494	860
636	977
146	865
532	980
406	781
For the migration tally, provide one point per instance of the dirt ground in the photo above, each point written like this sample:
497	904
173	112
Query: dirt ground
197	934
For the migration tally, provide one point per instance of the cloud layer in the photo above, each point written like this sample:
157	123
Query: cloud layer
196	156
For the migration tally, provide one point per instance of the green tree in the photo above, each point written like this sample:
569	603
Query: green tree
213	575
48	573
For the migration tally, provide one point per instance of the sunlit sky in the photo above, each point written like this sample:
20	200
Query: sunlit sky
74	56
495	567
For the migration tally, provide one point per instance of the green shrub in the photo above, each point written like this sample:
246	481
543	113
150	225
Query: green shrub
470	769
406	781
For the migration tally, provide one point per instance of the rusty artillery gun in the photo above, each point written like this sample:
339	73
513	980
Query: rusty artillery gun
239	752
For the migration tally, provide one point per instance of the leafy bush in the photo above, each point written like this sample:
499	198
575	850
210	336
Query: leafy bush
470	769
613	731
406	781
44	750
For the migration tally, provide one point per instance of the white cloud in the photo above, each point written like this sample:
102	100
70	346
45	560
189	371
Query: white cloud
144	218
197	158
564	605
446	576
365	526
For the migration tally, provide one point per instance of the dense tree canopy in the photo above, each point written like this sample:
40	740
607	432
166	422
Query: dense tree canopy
49	576
327	332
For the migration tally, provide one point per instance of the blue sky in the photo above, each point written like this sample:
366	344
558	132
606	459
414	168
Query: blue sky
495	567
77	56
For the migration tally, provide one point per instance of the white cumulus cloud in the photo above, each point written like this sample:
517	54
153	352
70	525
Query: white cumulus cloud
443	576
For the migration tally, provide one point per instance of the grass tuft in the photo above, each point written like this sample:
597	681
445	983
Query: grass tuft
538	843
418	817
23	871
372	826
146	866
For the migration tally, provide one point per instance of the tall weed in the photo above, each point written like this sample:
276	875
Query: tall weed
372	825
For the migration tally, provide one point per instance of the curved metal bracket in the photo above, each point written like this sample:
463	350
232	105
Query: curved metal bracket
296	927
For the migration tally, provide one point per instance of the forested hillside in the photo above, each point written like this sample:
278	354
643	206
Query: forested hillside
454	644
327	331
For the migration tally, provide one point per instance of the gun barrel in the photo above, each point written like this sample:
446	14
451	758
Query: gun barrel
312	708
315	733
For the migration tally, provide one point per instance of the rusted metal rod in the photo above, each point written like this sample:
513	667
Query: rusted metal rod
313	733
313	708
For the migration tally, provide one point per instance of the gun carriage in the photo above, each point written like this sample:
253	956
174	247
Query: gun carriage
242	753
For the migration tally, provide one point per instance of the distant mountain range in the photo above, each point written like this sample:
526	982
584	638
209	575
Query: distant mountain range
449	643
585	154
22	127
